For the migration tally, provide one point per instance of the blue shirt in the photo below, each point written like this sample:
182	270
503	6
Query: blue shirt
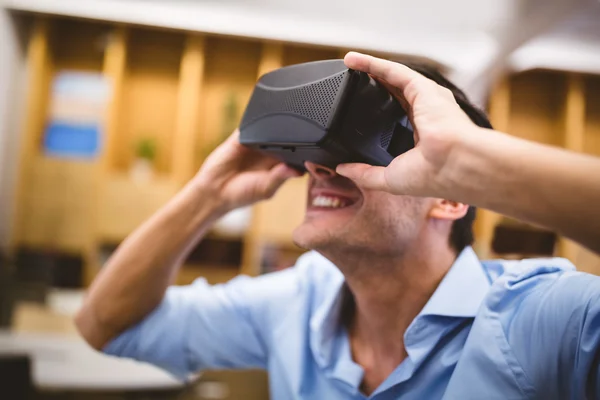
493	330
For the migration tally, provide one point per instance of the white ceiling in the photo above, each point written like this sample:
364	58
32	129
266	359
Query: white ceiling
455	33
573	43
474	39
583	24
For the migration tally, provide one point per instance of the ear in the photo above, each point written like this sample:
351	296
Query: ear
448	210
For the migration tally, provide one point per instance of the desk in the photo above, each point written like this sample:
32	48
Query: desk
68	363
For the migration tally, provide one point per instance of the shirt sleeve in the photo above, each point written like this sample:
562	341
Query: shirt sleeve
554	332
201	326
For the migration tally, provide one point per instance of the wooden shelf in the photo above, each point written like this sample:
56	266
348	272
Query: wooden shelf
148	104
294	54
592	116
56	207
78	45
499	114
124	205
230	72
537	106
551	107
55	195
188	92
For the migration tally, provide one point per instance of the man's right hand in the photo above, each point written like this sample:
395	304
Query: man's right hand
455	159
239	176
439	125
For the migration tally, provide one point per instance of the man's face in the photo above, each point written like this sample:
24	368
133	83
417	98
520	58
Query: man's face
340	216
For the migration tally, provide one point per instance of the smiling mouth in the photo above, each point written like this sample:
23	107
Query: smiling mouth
330	202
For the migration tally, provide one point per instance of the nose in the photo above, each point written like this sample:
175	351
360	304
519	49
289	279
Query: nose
319	171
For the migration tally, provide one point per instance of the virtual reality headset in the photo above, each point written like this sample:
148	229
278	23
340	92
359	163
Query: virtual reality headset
325	113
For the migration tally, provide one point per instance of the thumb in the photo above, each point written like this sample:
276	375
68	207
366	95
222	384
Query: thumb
406	174
364	175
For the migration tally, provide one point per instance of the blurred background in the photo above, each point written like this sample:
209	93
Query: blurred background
107	108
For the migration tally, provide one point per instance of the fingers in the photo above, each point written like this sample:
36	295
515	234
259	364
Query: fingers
395	74
409	82
235	135
234	140
246	157
365	176
276	177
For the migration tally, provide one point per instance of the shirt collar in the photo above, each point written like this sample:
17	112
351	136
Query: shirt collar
324	322
459	294
462	290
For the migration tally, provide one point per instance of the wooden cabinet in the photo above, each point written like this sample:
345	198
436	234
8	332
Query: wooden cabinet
551	107
57	207
148	103
184	91
591	144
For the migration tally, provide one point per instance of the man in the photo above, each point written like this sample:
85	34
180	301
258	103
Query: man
391	303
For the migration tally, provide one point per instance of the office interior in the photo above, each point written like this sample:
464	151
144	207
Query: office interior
164	82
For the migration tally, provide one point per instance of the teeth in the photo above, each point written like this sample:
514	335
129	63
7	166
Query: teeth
328	202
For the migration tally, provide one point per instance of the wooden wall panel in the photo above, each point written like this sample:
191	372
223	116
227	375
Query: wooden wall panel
486	221
574	130
537	106
78	45
557	108
188	103
574	113
584	259
39	72
271	58
57	207
176	88
149	102
230	74
123	205
296	54
114	65
592	117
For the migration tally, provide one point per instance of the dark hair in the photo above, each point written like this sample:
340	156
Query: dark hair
461	235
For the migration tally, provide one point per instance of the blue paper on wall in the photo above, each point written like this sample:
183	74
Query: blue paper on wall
77	112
